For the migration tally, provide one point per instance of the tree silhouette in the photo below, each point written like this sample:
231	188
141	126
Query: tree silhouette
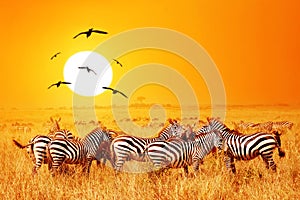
141	99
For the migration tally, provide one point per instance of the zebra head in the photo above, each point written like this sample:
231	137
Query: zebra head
176	129
189	134
218	139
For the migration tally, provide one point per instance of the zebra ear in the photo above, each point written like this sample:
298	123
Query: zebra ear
59	119
51	119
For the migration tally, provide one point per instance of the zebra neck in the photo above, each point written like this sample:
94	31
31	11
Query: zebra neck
226	134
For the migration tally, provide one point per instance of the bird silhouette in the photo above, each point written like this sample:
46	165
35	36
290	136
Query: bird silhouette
58	84
88	69
89	32
115	91
118	62
55	55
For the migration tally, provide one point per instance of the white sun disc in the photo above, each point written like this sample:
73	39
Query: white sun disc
88	72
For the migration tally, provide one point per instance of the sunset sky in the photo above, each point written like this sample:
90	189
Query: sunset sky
254	44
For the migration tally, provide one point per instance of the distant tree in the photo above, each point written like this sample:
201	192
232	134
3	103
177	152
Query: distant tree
141	99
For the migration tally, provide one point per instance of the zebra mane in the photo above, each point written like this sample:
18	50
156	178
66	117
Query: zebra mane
233	131
166	128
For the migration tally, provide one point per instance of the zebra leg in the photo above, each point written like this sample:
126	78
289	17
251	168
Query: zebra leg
57	163
268	159
186	170
104	162
119	162
101	164
196	165
98	163
49	165
37	165
87	165
229	161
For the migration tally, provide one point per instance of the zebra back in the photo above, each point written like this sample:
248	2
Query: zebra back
177	153
246	147
64	133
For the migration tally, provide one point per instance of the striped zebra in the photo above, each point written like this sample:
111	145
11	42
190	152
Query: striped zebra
81	151
243	126
178	153
247	147
128	147
37	148
263	127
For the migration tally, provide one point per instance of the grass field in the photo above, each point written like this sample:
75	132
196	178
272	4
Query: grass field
214	182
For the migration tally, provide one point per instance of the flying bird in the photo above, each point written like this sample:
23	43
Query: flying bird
58	84
115	91
118	62
88	69
89	32
55	55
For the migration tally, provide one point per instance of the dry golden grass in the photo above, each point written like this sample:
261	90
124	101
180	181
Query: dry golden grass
214	182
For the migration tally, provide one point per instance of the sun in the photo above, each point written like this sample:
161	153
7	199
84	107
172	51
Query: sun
88	72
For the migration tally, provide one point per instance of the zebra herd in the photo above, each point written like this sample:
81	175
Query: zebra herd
176	146
268	126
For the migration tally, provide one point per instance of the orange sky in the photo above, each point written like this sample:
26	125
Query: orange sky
255	45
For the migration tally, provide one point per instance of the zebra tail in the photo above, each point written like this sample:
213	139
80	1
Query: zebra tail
20	145
280	151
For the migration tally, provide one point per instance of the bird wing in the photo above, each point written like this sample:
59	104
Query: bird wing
118	62
122	93
93	71
66	83
51	85
97	31
108	88
55	55
79	34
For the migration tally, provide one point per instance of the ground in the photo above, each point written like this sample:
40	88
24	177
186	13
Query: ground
252	181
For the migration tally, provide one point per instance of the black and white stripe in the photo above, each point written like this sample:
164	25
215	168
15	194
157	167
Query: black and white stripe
81	151
128	147
178	153
37	147
247	147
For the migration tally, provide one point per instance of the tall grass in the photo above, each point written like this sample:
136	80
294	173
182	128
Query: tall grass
252	181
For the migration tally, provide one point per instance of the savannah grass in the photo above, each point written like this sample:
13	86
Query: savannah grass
252	181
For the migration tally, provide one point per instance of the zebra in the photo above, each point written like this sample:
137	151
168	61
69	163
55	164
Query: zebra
126	147
81	151
266	126
247	147
178	153
282	125
37	148
243	126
